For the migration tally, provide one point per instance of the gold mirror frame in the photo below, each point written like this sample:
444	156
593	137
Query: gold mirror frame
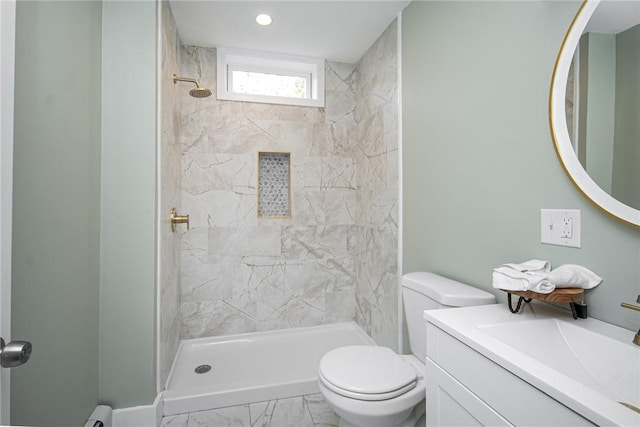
560	133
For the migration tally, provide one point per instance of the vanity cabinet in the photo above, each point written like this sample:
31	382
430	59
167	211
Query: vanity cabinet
464	387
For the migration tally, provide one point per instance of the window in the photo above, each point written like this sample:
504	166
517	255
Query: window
246	75
269	83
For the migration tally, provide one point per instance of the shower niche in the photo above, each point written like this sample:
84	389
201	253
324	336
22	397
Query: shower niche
274	184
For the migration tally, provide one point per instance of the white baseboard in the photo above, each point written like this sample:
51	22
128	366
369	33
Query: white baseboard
139	416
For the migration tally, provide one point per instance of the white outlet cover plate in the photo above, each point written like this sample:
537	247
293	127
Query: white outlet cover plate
553	228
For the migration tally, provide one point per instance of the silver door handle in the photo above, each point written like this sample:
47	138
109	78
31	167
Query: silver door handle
15	353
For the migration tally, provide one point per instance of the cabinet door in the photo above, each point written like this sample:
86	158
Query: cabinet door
449	403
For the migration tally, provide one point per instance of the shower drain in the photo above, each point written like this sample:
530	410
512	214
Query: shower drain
202	369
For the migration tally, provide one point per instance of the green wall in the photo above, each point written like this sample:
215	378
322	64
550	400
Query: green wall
600	112
128	198
84	227
56	201
479	162
626	158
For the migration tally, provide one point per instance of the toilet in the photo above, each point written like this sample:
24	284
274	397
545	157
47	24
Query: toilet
372	386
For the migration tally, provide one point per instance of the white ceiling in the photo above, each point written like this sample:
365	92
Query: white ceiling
335	30
614	16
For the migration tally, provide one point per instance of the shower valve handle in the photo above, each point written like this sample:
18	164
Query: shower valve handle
178	219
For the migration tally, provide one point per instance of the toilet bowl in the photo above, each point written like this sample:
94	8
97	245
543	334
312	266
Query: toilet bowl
372	386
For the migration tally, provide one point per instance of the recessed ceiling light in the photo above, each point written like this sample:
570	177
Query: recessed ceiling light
263	19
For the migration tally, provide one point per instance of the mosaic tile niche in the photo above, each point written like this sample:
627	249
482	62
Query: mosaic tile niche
274	185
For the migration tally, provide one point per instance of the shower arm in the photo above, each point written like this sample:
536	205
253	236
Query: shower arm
177	79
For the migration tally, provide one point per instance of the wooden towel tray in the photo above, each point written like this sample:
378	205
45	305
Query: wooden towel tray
574	296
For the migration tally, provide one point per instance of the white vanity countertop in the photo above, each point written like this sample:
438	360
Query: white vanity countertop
477	327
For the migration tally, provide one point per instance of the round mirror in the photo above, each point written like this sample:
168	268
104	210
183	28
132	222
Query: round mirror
594	105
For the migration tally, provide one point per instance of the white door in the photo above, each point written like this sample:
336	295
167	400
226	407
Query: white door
7	60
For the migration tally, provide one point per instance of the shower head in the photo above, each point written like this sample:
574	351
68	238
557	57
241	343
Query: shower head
198	91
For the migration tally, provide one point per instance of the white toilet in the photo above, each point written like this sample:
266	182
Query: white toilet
371	386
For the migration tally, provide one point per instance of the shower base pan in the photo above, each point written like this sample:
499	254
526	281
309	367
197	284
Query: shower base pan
240	369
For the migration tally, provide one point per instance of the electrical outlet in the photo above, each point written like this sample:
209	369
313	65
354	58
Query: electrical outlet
566	232
560	227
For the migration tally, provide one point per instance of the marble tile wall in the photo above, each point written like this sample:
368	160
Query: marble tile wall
244	274
303	411
336	258
376	163
170	195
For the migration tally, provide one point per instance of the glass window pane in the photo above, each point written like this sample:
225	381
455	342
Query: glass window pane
254	83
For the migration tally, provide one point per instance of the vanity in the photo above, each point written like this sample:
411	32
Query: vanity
540	367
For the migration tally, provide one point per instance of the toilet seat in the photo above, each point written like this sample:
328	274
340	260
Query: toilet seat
366	372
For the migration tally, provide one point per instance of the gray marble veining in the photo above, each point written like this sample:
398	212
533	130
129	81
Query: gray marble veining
302	411
335	258
170	197
376	158
242	273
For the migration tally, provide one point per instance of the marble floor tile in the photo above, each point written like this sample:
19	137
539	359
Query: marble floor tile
234	416
302	411
179	420
321	414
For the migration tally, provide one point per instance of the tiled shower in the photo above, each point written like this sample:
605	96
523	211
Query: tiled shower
334	259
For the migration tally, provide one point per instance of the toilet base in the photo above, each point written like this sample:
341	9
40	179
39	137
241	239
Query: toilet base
417	418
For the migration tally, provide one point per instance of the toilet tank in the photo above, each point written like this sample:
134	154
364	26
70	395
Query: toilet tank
427	291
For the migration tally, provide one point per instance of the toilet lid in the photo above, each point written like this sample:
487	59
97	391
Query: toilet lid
367	372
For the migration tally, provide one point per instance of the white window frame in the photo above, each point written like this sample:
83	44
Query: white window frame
269	63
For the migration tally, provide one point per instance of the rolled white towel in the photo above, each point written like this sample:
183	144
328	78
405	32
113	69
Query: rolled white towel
574	276
531	265
510	279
